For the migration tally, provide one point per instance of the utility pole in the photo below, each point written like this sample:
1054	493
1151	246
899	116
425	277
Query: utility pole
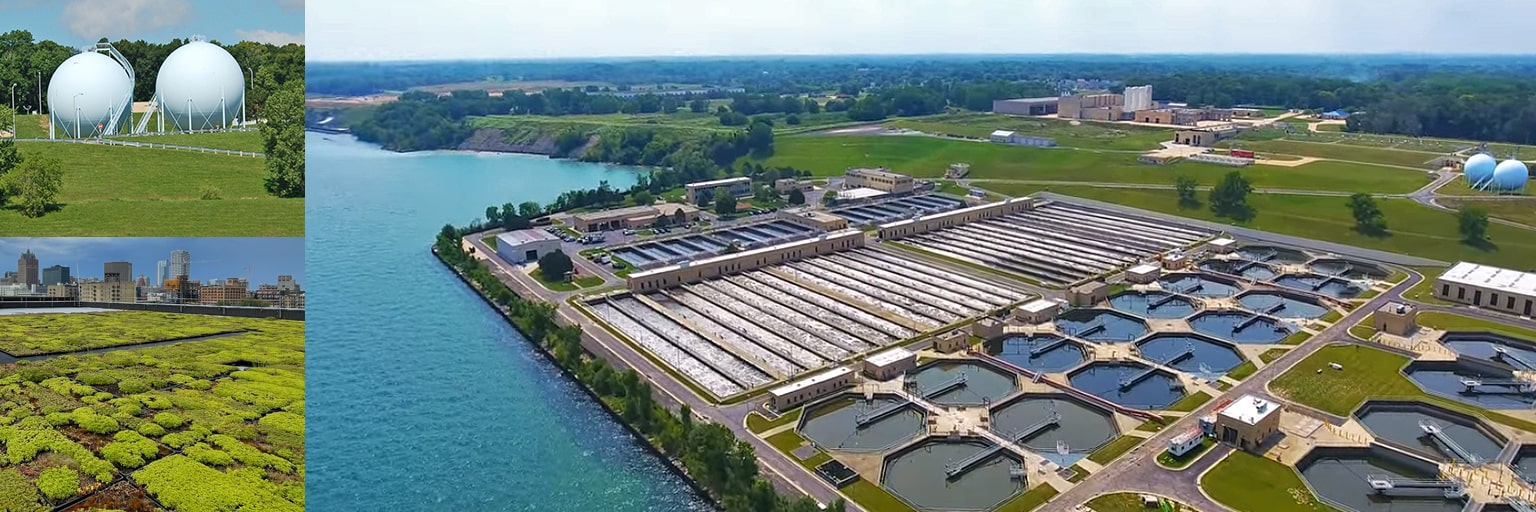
13	110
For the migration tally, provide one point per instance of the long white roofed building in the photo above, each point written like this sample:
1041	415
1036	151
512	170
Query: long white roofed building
1498	289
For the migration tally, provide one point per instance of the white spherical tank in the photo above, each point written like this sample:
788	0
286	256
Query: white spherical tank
87	92
1479	168
201	87
1510	175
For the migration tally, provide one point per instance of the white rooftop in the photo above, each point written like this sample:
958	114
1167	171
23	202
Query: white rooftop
1484	276
890	356
1223	242
810	381
955	212
1249	409
1038	306
751	252
860	193
1002	133
523	236
1144	269
716	183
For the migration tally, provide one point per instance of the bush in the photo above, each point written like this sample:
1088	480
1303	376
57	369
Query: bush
59	483
211	456
151	430
210	193
133	386
169	420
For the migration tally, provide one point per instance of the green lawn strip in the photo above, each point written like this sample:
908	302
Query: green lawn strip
1191	402
1425	291
588	282
1150	426
1114	449
554	286
1362	330
1242	371
153	218
24	335
756	422
1332	316
1368	373
1351	153
1251	483
1121	502
1168	460
489	241
1416	230
1029	500
928	157
1221	385
1522	211
1454	322
249	140
1078	474
1296	338
962	263
1272	354
31	126
874	498
1066	134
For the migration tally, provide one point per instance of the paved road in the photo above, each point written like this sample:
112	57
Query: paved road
1160	186
786	475
1120	476
1254	234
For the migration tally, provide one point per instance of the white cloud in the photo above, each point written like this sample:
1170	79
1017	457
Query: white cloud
292	5
270	37
121	19
57	248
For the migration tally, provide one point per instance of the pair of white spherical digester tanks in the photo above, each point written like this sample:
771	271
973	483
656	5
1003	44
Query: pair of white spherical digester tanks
199	87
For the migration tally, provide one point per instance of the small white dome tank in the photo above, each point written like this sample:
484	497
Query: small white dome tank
1479	168
1510	176
201	87
87	92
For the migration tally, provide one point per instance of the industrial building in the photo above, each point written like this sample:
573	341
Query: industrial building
633	217
1509	291
1011	137
1247	113
881	179
950	218
1098	107
1204	137
230	291
63	291
814	219
108	291
805	390
1396	318
784	185
57	274
698	270
1181	116
1143	274
703	192
1037	312
1183	443
958	170
889	364
525	245
1027	106
1247	422
1138	98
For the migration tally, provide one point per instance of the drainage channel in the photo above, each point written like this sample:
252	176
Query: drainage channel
668	353
791	289
866	336
802	357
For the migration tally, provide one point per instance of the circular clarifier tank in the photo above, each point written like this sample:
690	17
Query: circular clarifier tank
1513	352
836	424
1081	427
1248	269
1330	286
1190	353
1239	327
1404	424
1100	325
1339	474
1198	285
917	475
1133	385
1496	388
1039	352
1152	304
940	382
1348	269
1282	305
1272	254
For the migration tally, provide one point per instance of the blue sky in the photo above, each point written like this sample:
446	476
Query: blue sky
212	258
511	29
82	22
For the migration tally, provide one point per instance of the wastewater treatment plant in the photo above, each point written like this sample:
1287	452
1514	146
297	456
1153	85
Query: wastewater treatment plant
933	354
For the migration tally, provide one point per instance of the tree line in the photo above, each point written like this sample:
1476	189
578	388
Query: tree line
712	456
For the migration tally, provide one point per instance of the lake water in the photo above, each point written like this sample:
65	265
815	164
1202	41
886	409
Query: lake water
420	397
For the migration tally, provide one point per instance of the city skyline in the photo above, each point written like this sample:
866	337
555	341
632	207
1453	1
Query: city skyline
371	30
211	258
82	22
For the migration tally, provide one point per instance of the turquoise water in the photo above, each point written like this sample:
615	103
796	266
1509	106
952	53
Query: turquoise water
420	398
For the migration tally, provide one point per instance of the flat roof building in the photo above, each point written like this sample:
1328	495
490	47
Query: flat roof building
744	261
704	191
814	219
887	365
525	246
857	193
1027	106
1143	274
1037	312
881	179
810	388
1247	422
1017	139
1499	289
633	217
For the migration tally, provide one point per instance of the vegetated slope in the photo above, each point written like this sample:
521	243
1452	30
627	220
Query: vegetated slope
22	335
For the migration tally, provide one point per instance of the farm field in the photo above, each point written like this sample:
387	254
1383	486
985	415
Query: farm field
1085	135
126	191
249	140
210	425
1415	230
927	157
25	335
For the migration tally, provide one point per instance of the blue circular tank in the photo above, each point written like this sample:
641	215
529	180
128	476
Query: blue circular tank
1479	168
1510	175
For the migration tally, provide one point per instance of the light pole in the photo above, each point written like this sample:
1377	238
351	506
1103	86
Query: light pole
13	110
73	101
245	98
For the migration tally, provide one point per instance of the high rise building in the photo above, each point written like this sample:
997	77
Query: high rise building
117	272
1138	98
161	267
287	284
142	282
26	269
181	264
57	274
108	291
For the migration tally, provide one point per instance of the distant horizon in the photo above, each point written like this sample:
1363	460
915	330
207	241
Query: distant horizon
310	60
212	258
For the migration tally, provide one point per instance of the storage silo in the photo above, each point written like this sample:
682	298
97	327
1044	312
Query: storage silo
1509	176
1479	169
201	87
91	94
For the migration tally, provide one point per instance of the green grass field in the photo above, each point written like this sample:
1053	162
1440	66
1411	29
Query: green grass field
1084	135
1242	371
31	127
1452	322
1120	502
1273	354
927	157
1414	229
1345	152
1424	291
1522	211
24	335
249	140
1191	402
1114	449
124	191
1166	459
1251	483
1030	500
